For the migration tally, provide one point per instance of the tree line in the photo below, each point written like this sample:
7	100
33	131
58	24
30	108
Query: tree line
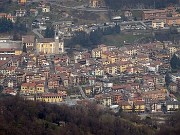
16	29
123	4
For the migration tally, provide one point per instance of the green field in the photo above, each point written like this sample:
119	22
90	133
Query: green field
119	39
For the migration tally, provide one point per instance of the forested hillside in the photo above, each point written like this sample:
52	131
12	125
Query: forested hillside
123	4
19	117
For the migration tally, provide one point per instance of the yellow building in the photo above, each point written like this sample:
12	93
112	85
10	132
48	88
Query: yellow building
99	71
111	69
95	3
156	24
112	58
18	52
22	1
50	46
28	88
139	106
50	97
103	48
40	88
126	106
105	61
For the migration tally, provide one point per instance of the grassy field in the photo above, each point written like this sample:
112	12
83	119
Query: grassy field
119	39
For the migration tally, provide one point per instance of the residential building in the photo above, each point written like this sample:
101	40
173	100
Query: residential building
95	3
157	24
20	13
152	14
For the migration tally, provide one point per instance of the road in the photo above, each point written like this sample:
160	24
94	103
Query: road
82	92
36	31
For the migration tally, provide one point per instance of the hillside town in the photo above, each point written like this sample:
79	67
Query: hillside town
136	77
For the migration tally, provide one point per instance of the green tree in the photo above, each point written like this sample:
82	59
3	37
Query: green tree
24	48
5	25
174	62
49	32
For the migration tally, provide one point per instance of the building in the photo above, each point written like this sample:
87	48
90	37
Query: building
95	3
46	9
22	1
28	41
50	46
173	21
8	16
50	97
152	14
20	13
10	51
158	23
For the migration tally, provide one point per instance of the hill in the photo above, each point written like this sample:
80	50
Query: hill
21	117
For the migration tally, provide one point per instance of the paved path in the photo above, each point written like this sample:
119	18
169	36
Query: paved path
36	31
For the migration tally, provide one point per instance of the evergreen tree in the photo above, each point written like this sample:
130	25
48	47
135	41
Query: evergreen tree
174	62
49	32
24	48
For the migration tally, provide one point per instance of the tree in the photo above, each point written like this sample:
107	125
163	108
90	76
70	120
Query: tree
117	28
24	48
175	62
49	32
5	25
167	79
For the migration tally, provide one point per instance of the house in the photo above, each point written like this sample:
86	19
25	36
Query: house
22	1
152	14
128	14
20	13
96	53
172	106
173	87
88	90
8	16
40	88
139	106
53	83
10	82
46	9
50	45
95	3
125	106
123	65
33	12
9	91
156	95
28	88
156	107
158	23
175	77
104	99
172	21
117	97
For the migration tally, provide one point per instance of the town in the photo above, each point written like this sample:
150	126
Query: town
139	76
